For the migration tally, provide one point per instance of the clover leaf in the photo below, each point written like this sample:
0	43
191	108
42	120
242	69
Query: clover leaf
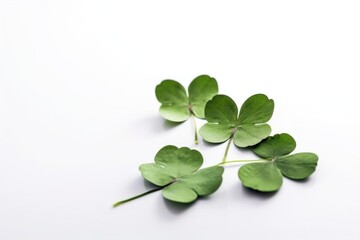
177	106
267	176
177	169
176	172
247	129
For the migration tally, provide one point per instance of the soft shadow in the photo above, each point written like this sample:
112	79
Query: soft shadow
148	185
209	144
261	195
301	181
177	208
157	123
168	124
136	183
244	150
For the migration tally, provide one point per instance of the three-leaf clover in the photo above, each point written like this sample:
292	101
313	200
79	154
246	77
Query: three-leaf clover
177	106
176	172
267	176
247	129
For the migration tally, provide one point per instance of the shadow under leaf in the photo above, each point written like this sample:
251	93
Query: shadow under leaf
156	123
168	124
209	144
253	193
305	180
244	149
177	208
148	185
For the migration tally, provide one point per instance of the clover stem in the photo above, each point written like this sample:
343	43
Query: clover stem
196	132
227	149
241	161
138	196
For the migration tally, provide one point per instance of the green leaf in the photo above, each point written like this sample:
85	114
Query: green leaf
256	109
179	161
176	169
221	110
264	177
216	133
275	150
201	183
278	145
201	90
155	174
176	106
249	128
297	166
173	98
249	135
221	114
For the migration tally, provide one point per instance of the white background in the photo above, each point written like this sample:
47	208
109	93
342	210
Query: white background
78	114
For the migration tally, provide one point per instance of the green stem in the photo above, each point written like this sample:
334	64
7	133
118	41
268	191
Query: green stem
241	161
227	149
196	132
138	196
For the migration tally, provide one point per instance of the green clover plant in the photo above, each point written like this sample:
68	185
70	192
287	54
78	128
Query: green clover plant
266	176
177	106
246	128
177	172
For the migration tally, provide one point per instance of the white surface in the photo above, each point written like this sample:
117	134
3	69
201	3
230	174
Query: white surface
78	115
